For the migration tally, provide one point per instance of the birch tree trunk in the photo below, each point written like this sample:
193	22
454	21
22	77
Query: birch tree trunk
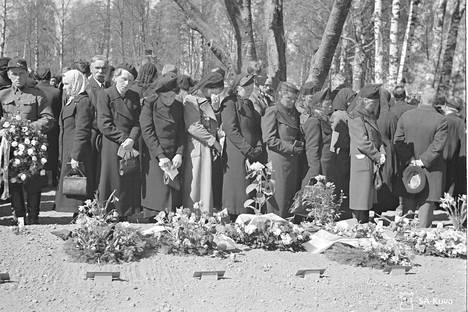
36	35
409	33
378	57
275	44
196	21
322	59
451	44
4	28
393	46
107	31
240	16
437	39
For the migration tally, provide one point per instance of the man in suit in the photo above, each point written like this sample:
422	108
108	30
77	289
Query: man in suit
97	83
399	105
54	99
419	139
31	103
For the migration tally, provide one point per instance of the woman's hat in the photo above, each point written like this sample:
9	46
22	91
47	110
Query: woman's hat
414	179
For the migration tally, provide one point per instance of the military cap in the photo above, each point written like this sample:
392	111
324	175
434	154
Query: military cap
43	73
4	62
414	179
165	83
454	102
130	68
288	87
371	91
17	63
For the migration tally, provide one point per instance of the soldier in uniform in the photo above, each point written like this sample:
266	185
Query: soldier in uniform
31	103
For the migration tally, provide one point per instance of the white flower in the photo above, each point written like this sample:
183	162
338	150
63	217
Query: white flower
14	144
34	158
24	129
16	162
6	124
23	177
256	166
18	117
27	141
15	153
33	142
276	231
42	172
440	245
12	129
43	160
286	239
44	147
13	180
30	151
20	153
21	147
250	229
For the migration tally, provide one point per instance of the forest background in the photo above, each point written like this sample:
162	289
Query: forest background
420	42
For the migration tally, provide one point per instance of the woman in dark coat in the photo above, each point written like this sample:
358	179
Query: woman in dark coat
366	151
75	122
282	135
317	135
241	124
162	128
387	122
118	114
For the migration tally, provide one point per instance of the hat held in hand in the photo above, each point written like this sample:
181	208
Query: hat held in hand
414	179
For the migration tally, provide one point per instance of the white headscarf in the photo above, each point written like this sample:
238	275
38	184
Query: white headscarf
77	81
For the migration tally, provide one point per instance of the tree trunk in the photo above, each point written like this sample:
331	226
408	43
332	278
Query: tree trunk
4	27
107	30
196	21
450	46
275	44
393	47
359	55
323	57
240	16
378	57
36	36
409	32
437	40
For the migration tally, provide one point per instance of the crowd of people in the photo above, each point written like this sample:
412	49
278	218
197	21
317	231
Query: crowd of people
159	141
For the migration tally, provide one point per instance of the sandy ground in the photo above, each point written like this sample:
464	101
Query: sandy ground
44	279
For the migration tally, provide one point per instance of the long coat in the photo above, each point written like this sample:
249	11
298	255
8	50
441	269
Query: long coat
202	127
118	119
399	107
162	129
55	101
280	128
317	136
386	197
454	174
75	121
241	123
365	149
421	134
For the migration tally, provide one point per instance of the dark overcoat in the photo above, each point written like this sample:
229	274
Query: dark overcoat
320	160
118	119
75	122
241	124
399	107
280	128
163	131
365	149
386	198
452	155
54	97
421	134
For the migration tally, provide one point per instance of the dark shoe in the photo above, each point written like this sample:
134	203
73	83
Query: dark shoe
32	220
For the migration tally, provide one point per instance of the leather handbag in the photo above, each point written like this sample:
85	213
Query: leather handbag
75	183
378	180
129	166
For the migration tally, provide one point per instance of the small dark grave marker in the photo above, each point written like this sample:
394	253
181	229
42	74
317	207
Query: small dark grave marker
397	269
103	276
4	277
217	274
317	273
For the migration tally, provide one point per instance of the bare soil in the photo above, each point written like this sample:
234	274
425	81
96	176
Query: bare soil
43	278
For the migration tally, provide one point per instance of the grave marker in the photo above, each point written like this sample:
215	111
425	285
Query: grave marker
397	269
211	274
316	273
103	276
4	277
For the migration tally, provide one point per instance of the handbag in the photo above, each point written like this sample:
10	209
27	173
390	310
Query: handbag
378	180
75	183
128	166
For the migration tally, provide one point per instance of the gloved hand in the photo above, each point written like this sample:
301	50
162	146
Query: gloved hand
255	153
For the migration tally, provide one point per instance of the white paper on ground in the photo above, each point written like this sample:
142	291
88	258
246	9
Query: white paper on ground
322	240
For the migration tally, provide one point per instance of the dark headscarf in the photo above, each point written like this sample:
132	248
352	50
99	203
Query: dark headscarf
148	73
343	98
213	80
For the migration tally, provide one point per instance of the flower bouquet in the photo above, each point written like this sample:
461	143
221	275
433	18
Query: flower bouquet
23	150
261	185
